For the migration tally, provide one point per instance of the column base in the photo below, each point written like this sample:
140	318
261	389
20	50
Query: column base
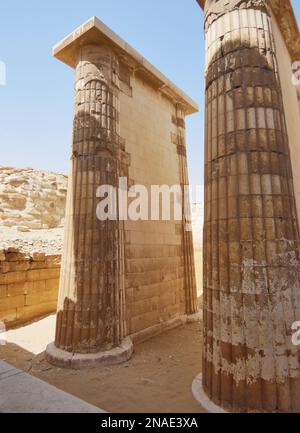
76	361
197	317
202	399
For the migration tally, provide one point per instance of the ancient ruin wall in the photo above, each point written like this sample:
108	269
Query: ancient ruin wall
119	278
160	283
28	286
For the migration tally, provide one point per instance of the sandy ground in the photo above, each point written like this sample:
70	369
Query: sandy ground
158	378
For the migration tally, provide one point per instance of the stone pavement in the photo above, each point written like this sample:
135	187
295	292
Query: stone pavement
22	393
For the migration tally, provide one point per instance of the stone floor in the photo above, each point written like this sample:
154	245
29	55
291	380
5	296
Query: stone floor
158	378
22	393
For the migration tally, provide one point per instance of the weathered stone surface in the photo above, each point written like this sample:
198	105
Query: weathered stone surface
28	286
31	199
251	236
90	306
284	14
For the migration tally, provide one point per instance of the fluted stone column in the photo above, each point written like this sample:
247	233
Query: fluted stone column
251	239
90	318
190	289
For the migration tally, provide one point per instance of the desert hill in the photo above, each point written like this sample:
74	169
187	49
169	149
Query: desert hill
31	199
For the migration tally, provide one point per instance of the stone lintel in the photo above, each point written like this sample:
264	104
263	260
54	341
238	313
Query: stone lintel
95	31
285	16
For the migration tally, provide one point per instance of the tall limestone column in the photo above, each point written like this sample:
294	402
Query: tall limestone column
251	246
89	326
190	289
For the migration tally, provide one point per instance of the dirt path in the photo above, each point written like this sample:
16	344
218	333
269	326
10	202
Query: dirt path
158	378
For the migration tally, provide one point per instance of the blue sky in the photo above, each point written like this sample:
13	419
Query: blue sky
36	105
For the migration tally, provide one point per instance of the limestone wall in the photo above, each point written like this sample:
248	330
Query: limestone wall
28	285
291	106
153	252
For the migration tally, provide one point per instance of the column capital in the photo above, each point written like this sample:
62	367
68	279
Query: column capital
285	17
95	32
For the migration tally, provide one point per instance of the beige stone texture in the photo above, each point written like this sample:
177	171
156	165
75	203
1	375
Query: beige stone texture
28	286
31	199
155	275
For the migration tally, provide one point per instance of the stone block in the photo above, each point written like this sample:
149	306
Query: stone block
11	303
38	257
37	298
27	313
18	266
4	267
9	316
3	291
13	277
52	285
17	289
16	257
144	321
43	274
33	287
